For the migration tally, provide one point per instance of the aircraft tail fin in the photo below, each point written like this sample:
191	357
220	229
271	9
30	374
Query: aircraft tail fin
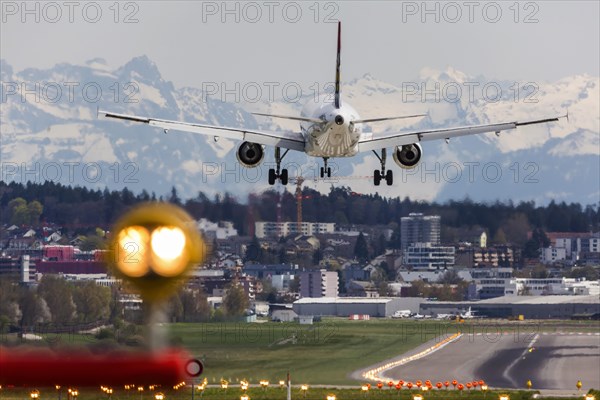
337	67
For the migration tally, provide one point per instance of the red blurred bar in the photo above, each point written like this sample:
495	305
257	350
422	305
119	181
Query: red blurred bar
78	369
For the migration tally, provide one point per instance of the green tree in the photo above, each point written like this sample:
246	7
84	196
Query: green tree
516	227
395	242
540	272
34	211
235	301
175	308
450	277
92	242
361	250
589	273
92	302
58	295
499	237
195	305
254	251
538	241
34	309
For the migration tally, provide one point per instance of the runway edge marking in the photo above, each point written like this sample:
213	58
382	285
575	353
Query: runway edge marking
376	374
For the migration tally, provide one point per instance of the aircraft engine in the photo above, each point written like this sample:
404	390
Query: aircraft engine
408	156
250	155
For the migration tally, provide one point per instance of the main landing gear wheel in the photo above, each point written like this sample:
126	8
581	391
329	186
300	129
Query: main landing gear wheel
378	175
282	176
278	173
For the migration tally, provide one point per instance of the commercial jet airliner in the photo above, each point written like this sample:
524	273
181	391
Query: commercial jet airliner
328	128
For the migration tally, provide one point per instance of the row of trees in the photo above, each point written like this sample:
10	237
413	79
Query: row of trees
80	206
56	301
191	305
63	303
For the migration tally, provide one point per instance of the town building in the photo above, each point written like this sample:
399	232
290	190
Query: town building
427	256
265	229
319	283
419	228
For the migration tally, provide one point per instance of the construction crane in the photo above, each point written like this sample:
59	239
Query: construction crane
299	182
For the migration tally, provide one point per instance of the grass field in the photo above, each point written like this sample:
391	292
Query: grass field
323	353
327	352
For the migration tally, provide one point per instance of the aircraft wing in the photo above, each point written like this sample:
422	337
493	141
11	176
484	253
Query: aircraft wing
286	139
392	139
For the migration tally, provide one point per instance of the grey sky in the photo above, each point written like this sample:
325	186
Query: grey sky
387	39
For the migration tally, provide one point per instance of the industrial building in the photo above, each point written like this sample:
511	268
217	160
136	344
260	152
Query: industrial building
346	306
530	307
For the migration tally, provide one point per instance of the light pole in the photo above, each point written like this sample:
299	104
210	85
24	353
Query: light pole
304	389
484	389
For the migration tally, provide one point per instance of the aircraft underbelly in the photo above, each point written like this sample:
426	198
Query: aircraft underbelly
332	144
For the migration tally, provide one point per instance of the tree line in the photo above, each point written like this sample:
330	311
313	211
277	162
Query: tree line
80	208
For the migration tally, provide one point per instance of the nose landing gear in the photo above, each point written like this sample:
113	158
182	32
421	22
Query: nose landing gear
325	170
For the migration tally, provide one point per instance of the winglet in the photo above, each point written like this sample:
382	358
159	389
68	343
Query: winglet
567	115
337	67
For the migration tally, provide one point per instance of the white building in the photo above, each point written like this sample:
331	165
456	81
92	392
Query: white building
282	282
551	254
218	230
276	229
497	287
423	256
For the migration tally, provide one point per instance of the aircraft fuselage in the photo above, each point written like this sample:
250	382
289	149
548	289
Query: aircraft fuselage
336	136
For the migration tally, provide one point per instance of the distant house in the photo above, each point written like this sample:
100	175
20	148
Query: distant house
361	289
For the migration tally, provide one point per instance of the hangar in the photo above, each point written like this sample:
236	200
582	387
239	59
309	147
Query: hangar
345	306
531	307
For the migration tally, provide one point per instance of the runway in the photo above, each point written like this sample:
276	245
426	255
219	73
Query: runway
550	361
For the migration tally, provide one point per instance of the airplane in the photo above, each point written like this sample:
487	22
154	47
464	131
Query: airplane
468	314
401	314
328	129
443	316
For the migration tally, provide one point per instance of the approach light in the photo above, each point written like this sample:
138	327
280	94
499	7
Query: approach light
154	245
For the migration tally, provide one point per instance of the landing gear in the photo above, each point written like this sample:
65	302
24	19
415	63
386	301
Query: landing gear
325	170
378	175
278	173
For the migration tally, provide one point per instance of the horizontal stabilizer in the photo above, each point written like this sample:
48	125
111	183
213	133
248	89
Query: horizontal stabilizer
306	119
358	121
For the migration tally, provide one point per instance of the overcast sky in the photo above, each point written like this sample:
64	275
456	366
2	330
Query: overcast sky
195	42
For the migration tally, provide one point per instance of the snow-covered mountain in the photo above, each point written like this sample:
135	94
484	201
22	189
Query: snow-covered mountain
49	130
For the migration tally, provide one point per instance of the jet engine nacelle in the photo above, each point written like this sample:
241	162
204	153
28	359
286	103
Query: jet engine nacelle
408	156
250	155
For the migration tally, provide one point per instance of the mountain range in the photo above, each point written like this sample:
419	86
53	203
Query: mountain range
50	130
